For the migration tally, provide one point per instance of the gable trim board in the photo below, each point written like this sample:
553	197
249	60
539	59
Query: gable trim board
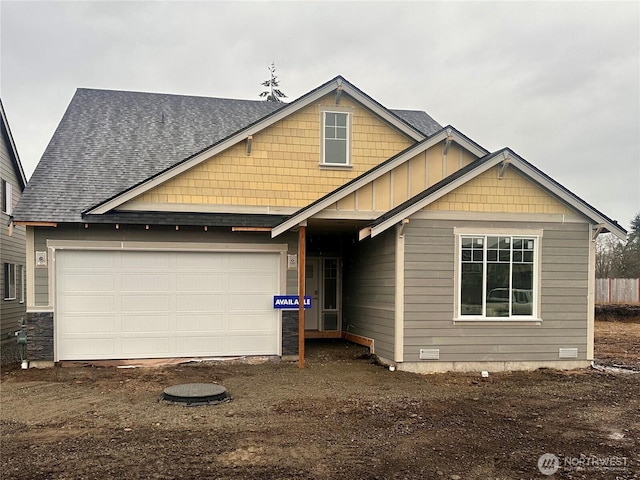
446	134
462	176
250	130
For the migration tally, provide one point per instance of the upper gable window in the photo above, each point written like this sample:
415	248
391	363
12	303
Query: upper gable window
336	135
6	197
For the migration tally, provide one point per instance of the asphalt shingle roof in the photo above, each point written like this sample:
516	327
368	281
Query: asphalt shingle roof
108	141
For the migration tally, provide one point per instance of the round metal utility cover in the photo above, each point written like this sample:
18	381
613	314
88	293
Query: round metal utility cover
196	393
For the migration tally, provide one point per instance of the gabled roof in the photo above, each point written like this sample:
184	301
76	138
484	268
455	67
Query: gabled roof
13	151
447	133
110	145
337	84
510	160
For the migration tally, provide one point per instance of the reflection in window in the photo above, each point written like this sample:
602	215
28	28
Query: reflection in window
497	276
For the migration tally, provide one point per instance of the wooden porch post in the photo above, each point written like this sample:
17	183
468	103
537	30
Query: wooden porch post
302	236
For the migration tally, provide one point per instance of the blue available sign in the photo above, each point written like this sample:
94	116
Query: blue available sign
290	302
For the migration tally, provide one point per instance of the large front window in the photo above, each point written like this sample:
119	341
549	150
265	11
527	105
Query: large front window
497	276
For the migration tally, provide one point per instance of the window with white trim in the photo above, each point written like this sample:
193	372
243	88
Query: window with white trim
497	277
9	281
6	197
335	138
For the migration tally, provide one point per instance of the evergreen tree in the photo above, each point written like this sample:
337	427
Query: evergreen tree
273	94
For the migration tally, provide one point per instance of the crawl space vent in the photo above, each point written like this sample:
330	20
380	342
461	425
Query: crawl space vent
429	354
568	353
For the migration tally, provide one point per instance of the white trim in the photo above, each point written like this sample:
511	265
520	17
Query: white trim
398	354
164	246
241	135
537	235
323	118
137	206
591	295
369	178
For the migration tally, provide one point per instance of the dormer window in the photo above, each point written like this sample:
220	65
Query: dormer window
336	138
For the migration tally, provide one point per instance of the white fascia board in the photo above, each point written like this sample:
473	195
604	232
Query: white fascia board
359	183
410	210
382	112
570	199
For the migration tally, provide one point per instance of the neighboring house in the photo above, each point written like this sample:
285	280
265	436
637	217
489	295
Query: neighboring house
12	247
163	226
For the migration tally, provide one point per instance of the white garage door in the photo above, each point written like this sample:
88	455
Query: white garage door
134	304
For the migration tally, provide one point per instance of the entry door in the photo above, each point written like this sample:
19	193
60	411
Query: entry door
312	287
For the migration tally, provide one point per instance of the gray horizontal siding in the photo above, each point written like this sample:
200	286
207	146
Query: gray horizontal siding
429	297
369	286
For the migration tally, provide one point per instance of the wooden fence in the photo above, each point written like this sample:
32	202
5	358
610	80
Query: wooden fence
617	290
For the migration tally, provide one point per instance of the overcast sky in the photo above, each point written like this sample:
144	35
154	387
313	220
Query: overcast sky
558	82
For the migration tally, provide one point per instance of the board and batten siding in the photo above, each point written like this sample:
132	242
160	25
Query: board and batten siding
12	250
138	233
430	267
369	300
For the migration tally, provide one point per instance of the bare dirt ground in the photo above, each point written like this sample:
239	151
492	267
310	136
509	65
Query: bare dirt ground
342	417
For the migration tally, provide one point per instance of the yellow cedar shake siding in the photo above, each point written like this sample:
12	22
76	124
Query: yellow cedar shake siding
511	194
283	167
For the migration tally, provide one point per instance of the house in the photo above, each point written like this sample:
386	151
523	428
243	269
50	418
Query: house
12	246
165	226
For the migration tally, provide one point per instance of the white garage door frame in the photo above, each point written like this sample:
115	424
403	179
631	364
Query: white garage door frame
55	246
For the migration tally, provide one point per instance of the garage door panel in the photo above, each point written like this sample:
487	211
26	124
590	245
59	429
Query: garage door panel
95	282
201	323
145	346
248	303
145	282
259	282
200	261
201	302
82	324
138	304
200	345
188	282
145	302
253	262
89	304
251	345
145	323
82	348
250	323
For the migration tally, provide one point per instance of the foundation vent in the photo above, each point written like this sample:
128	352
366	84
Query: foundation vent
429	354
568	353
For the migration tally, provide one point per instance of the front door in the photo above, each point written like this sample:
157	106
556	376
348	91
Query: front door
312	287
322	284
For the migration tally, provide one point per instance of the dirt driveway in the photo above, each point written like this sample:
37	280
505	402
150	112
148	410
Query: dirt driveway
342	417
